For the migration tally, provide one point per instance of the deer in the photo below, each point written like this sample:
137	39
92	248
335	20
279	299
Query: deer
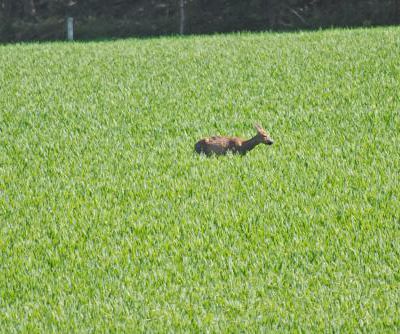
222	145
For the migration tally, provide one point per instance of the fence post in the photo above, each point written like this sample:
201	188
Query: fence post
70	28
182	17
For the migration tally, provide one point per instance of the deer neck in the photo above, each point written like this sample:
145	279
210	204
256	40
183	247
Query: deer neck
248	145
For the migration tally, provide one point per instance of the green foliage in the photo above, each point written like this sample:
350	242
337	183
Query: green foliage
27	20
110	222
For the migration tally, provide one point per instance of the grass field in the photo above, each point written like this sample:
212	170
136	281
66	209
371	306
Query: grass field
111	223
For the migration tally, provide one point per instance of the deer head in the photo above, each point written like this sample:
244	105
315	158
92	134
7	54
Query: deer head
263	135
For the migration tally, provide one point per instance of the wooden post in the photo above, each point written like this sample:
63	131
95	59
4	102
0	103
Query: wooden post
182	17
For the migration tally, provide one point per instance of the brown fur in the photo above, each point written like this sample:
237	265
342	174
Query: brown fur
222	145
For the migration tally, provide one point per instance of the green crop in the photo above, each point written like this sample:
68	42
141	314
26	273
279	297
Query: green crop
109	222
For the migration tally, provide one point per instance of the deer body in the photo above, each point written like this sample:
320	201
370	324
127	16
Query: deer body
222	145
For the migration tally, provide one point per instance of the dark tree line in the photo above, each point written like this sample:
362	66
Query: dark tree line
45	19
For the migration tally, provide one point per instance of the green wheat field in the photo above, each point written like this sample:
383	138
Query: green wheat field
109	222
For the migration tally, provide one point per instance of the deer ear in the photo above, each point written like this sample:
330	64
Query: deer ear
258	127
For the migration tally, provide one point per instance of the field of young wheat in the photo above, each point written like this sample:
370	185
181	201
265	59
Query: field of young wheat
110	222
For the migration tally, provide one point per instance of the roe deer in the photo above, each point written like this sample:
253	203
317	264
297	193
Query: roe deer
222	145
